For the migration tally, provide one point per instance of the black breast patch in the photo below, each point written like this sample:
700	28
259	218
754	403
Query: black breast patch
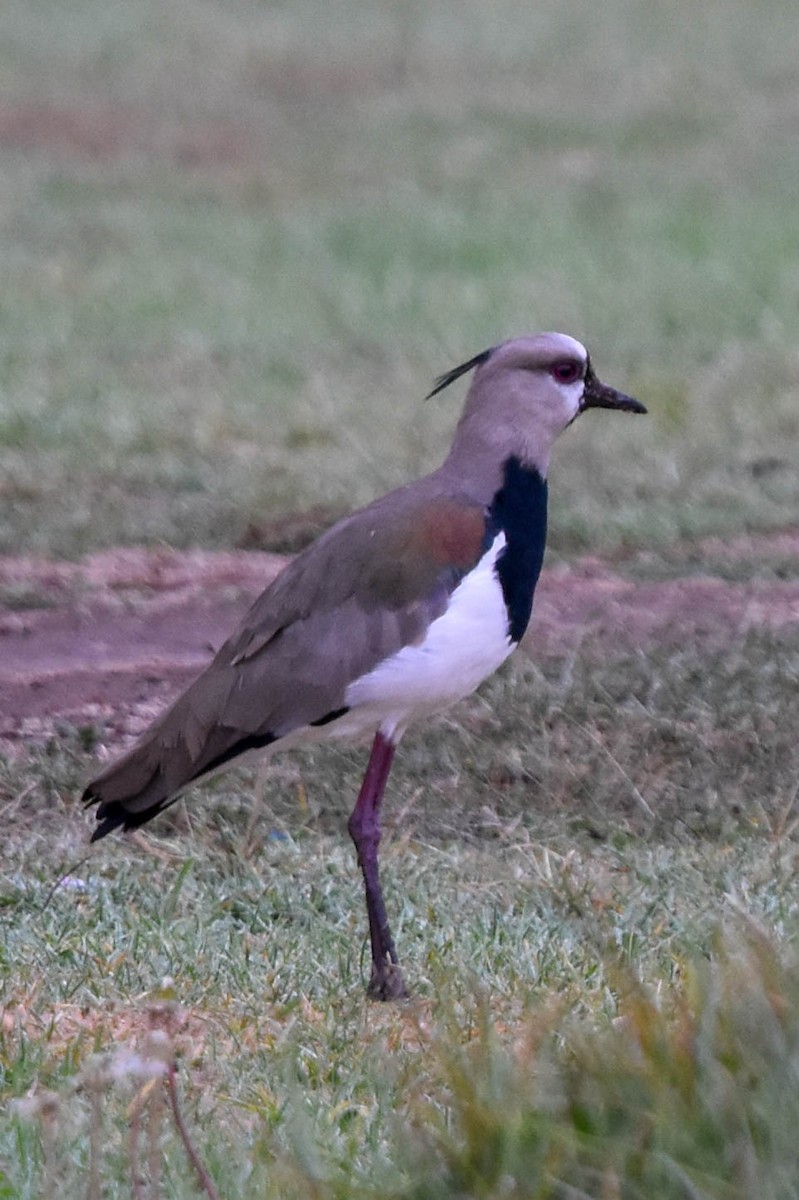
519	510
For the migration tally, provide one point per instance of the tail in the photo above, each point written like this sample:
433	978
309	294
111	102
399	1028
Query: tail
188	743
129	792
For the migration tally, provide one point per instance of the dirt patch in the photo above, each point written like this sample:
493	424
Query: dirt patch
103	132
109	640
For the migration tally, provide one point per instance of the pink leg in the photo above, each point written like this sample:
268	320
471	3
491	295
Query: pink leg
386	982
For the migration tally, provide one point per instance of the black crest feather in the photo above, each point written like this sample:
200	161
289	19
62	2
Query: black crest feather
449	377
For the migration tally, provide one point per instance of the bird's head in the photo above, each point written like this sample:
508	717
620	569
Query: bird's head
527	391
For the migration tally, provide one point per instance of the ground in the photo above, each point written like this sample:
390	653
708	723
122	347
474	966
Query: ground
109	639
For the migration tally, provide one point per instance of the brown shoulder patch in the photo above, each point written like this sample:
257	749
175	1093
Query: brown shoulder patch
451	533
411	558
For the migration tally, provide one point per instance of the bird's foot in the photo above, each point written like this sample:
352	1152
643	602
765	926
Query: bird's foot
387	983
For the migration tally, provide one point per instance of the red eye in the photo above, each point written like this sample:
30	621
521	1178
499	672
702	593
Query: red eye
567	371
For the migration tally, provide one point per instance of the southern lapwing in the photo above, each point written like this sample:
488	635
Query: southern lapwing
391	615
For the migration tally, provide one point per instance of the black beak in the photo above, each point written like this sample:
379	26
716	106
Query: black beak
599	395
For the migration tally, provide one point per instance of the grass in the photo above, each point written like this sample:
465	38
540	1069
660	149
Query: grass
578	1005
688	1097
239	241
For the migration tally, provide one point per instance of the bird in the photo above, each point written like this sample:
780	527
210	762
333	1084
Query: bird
393	614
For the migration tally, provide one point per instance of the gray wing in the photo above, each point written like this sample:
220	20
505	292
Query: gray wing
352	599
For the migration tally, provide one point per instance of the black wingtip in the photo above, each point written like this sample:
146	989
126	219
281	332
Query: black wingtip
106	826
113	816
449	377
110	815
90	796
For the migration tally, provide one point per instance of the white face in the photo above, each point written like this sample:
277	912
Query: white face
569	359
572	394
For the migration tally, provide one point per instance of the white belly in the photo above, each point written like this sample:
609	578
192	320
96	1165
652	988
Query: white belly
461	648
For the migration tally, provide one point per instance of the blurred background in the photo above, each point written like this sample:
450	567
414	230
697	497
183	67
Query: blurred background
240	238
